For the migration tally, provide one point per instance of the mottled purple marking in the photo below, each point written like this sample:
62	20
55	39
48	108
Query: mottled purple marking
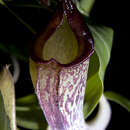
70	87
60	88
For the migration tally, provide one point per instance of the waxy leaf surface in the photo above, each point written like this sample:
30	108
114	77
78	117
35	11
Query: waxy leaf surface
103	37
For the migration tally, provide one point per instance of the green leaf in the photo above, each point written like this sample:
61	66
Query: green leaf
94	87
85	6
29	113
7	101
30	117
2	2
103	37
124	102
4	119
27	100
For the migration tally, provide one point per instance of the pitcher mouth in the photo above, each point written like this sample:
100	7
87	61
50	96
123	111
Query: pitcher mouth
77	25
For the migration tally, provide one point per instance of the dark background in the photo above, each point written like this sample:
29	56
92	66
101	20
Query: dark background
115	14
112	13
